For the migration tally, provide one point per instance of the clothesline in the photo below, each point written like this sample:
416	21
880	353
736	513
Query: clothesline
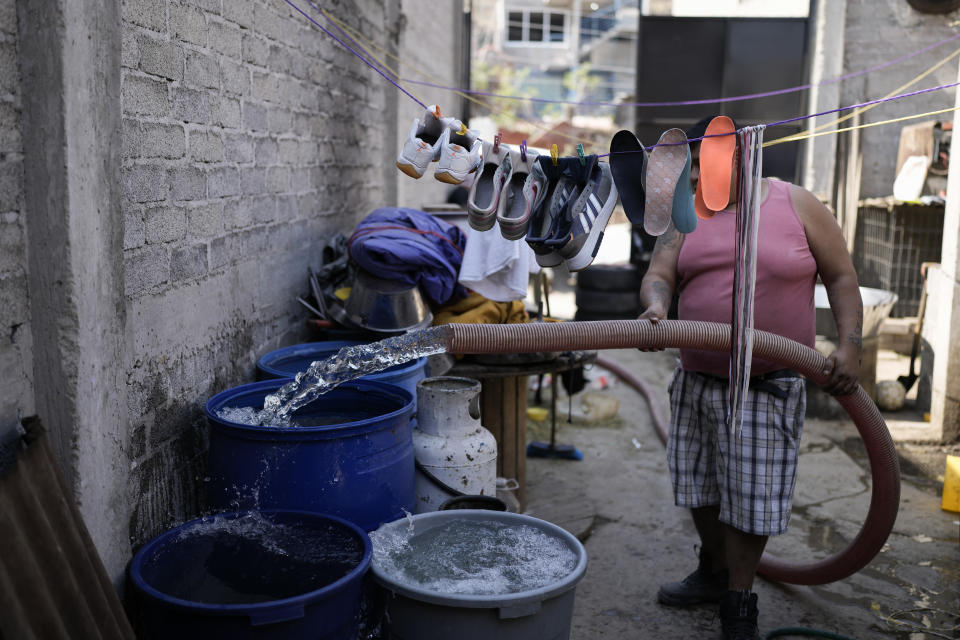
772	124
681	103
356	36
856	112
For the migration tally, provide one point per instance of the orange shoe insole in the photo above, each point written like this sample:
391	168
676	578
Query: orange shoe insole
716	162
702	211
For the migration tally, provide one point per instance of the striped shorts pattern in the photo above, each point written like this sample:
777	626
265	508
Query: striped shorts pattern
751	475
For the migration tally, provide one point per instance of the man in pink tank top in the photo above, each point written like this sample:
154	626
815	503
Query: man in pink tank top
739	487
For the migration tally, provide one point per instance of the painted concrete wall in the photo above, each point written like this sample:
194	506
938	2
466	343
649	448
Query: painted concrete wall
16	338
69	60
825	63
441	27
882	30
941	329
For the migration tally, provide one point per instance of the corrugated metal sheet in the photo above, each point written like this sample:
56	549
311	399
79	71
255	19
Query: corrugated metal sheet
52	582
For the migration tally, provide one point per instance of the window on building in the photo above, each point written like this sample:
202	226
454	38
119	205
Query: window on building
557	21
535	27
515	26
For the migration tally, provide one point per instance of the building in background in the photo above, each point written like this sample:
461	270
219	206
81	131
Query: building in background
563	50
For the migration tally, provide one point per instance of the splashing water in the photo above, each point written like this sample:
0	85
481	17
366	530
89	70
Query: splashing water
473	557
323	375
251	559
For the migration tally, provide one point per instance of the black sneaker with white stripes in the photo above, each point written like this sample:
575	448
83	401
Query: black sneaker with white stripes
588	216
549	227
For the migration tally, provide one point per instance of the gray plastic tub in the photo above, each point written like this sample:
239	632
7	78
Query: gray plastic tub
538	614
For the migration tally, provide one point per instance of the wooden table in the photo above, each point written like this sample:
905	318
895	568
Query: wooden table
503	403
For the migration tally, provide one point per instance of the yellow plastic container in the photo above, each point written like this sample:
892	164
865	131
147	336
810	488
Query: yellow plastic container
951	485
537	414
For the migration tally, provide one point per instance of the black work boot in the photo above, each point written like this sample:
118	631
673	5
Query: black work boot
702	586
738	616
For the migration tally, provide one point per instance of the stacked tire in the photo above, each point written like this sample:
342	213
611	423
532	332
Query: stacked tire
609	292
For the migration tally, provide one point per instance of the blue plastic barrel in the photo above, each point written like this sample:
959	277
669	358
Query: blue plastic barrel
282	575
289	361
353	457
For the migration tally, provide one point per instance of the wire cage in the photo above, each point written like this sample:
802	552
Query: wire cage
893	240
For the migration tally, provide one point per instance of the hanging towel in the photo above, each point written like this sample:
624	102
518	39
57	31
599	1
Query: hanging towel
413	248
496	268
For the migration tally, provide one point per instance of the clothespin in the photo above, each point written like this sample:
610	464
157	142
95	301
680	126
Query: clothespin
523	151
554	154
436	111
583	159
496	142
463	130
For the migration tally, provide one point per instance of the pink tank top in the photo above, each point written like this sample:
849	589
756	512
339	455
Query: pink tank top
786	275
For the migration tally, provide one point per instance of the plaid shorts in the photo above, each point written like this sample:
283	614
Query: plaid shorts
751	475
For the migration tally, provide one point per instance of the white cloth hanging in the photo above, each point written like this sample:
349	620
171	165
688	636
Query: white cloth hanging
750	143
496	268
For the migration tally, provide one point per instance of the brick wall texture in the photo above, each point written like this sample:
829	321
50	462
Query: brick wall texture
249	138
16	361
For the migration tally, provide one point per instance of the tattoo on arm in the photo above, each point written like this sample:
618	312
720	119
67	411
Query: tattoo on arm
855	337
668	240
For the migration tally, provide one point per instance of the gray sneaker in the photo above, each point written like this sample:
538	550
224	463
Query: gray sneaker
484	198
515	212
589	215
549	225
518	196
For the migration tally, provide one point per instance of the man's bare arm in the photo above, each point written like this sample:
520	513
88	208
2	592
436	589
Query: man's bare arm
840	280
656	290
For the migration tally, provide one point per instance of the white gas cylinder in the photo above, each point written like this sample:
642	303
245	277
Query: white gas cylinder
450	444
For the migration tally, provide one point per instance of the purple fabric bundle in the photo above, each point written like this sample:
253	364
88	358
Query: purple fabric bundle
411	247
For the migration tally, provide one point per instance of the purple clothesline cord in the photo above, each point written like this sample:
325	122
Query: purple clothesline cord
789	120
351	50
772	124
370	58
680	103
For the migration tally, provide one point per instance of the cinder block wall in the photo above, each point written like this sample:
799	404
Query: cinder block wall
877	32
249	138
16	352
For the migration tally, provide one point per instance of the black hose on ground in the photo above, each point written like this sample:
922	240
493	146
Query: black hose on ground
625	334
806	632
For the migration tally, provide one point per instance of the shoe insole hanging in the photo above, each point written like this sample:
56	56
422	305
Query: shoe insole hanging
716	162
628	164
684	213
701	207
516	207
663	171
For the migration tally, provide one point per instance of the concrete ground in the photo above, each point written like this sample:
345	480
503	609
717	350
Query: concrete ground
619	500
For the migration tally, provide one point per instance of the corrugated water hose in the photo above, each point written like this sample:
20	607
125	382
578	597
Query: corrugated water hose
626	334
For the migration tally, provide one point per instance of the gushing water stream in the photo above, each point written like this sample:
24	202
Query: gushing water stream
473	557
323	375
